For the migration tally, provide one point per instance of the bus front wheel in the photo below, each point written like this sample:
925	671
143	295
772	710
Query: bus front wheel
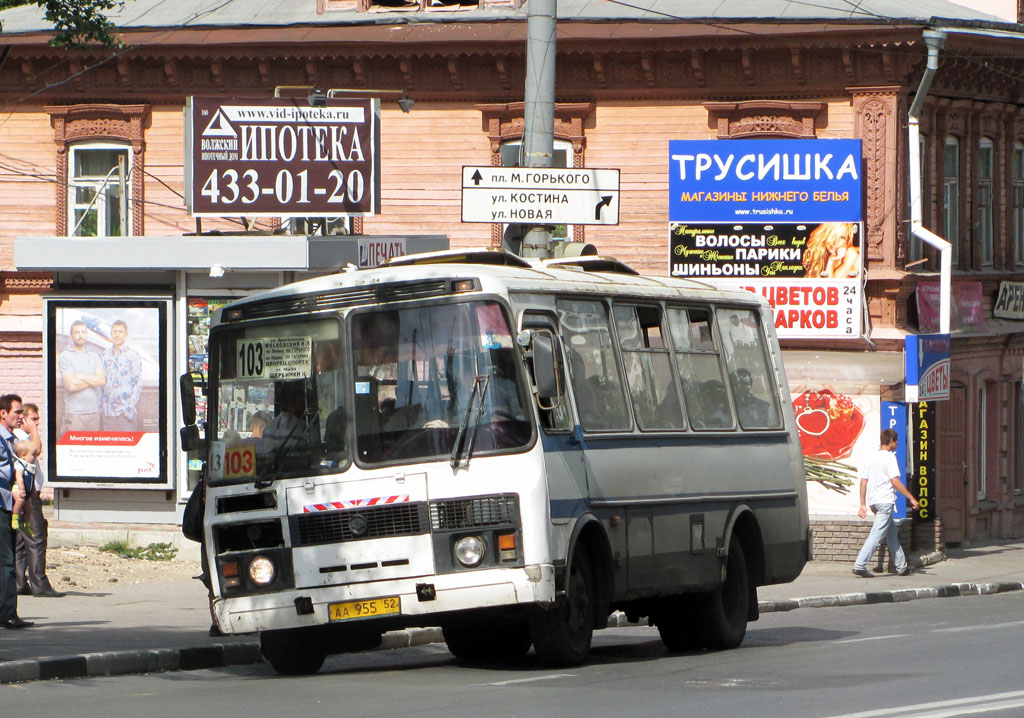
293	651
562	635
723	612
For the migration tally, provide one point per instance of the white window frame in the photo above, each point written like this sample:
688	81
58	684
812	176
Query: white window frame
1018	203
951	199
984	194
102	205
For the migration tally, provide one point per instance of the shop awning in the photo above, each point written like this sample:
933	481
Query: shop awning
273	253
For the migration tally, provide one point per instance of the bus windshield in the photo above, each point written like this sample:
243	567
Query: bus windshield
423	376
423	383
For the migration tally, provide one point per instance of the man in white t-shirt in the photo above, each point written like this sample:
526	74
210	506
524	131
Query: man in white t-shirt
879	484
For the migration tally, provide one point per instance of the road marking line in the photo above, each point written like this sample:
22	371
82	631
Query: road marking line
873	638
550	677
946	709
989	626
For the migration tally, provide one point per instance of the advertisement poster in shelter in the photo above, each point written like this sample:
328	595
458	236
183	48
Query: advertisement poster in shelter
838	435
107	374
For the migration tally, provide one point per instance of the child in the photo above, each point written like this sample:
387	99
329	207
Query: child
24	476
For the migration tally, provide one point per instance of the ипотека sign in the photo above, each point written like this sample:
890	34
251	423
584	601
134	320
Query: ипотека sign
251	157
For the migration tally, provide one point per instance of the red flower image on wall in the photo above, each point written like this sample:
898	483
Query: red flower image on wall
829	424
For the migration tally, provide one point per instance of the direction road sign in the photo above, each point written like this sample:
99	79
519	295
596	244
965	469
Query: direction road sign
540	195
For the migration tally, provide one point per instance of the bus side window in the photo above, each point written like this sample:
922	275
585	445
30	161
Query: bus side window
749	375
648	368
586	335
700	368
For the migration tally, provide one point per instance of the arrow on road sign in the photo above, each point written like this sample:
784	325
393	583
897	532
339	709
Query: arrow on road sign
477	177
605	201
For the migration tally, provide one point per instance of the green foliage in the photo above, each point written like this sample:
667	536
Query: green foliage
77	22
153	552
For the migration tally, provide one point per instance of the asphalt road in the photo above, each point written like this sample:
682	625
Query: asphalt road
921	659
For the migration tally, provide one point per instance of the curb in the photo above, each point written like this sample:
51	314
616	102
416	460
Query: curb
113	663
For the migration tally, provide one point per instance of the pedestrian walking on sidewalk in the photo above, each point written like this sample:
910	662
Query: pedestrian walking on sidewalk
30	550
879	484
10	419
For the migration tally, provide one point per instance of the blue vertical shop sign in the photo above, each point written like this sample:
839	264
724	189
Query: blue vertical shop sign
765	181
927	358
894	416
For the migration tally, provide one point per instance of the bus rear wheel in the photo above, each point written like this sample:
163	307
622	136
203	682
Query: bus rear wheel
562	635
293	651
473	641
723	612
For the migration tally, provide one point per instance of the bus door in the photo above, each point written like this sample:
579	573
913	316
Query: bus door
564	463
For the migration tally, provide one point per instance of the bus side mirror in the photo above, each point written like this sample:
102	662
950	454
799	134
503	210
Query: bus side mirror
190	438
189	434
187	388
545	366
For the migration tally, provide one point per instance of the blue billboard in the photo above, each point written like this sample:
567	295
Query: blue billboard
765	181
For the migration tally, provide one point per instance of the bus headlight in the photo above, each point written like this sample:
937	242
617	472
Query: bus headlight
262	571
470	550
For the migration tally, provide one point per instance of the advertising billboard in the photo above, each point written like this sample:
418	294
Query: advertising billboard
782	218
252	157
107	378
810	273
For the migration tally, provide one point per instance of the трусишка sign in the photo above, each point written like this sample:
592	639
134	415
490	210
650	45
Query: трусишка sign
782	218
250	157
540	195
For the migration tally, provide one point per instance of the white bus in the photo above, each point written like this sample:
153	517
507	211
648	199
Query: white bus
509	449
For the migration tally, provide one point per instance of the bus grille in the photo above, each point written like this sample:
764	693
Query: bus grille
477	512
358	524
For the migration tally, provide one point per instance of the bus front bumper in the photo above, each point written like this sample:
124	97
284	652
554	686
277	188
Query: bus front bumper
418	599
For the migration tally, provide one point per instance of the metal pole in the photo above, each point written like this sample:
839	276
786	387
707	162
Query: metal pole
539	114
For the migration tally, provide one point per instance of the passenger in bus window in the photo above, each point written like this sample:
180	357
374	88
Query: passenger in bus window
716	405
753	411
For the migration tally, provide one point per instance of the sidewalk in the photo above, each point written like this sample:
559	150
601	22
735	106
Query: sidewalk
162	626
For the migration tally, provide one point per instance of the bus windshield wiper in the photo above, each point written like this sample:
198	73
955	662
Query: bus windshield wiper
463	440
262	481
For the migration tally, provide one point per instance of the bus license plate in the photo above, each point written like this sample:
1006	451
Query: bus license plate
364	609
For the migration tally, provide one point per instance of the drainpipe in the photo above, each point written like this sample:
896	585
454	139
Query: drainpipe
934	39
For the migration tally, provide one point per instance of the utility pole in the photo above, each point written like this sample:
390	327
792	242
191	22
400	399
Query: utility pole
539	114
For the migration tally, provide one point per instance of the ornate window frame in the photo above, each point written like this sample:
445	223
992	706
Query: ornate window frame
505	123
764	118
98	123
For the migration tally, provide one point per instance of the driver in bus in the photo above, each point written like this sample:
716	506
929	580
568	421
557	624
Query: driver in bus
289	426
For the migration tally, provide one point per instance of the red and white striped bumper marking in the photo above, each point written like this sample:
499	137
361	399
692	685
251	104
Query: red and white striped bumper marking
354	503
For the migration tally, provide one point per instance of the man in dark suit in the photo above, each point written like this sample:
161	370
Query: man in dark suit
10	419
30	548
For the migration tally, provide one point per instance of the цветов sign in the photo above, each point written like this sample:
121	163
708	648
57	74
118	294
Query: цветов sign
810	273
765	181
249	157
